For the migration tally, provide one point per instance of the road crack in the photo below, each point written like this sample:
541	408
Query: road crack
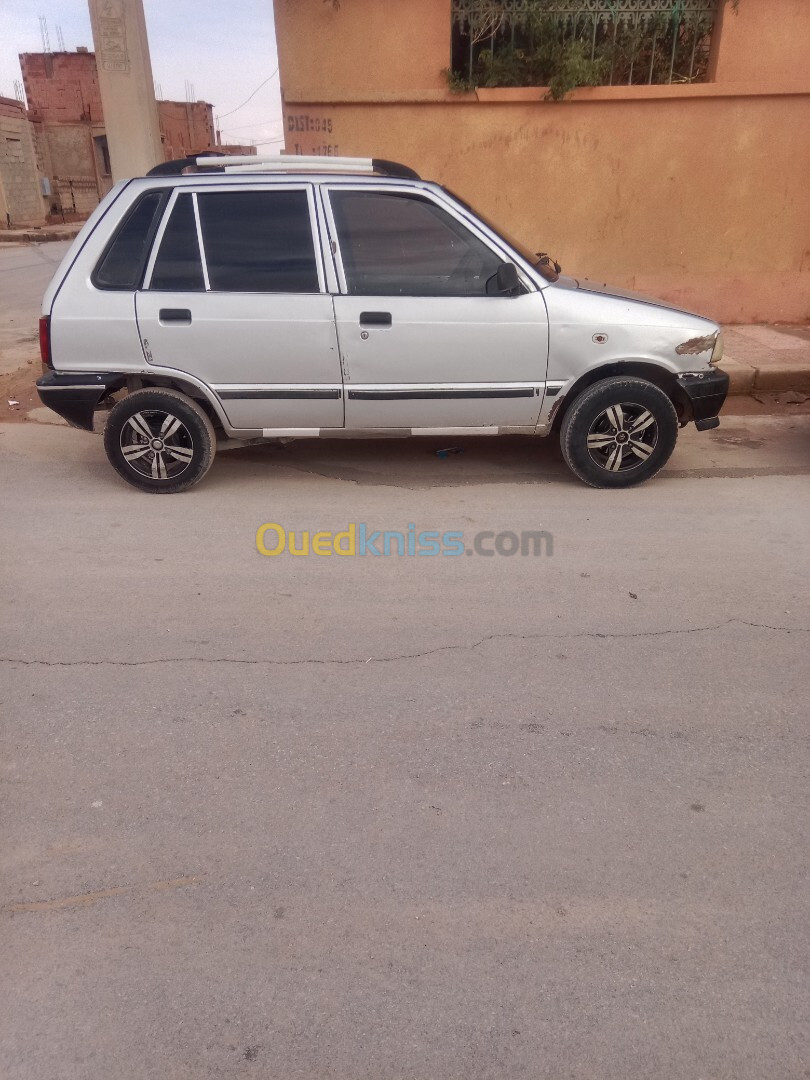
585	634
89	898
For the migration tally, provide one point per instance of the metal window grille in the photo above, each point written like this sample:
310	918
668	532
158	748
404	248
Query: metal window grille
598	42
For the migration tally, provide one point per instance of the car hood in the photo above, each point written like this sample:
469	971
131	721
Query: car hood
594	324
625	294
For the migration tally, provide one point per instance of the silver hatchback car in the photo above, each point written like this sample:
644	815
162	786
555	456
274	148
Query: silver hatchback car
236	299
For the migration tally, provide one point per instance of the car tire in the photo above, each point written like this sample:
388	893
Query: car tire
619	432
159	440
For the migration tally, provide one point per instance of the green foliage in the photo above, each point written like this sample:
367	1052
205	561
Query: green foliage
560	65
457	82
573	68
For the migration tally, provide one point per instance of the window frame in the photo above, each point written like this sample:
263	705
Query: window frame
231	189
159	237
504	253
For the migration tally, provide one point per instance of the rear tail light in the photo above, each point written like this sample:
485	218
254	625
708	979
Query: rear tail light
45	340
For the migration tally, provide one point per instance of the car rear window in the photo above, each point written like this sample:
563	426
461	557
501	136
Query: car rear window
122	264
178	266
258	241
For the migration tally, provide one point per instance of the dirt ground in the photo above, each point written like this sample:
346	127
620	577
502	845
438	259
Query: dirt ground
19	386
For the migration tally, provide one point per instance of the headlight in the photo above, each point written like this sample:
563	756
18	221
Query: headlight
719	346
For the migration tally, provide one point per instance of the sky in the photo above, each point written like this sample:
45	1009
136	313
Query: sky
225	48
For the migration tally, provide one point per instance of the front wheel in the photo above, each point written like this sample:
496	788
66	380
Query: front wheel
159	440
619	432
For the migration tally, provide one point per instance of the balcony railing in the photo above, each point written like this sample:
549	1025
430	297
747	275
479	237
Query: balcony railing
565	43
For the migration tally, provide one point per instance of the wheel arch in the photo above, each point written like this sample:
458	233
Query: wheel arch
170	380
660	376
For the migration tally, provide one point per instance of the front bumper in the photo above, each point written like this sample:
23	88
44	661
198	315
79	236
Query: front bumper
75	396
704	394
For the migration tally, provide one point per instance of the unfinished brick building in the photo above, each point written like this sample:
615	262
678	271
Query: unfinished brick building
64	107
67	118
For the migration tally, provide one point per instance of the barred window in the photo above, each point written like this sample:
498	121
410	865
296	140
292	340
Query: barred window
567	43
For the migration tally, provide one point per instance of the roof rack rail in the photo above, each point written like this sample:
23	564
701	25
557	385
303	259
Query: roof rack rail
328	166
279	160
177	166
236	163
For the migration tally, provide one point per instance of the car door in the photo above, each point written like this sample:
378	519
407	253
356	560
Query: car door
234	294
424	342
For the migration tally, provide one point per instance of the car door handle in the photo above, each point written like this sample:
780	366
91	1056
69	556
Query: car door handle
174	314
375	318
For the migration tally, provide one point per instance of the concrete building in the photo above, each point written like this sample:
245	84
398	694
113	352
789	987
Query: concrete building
692	190
21	202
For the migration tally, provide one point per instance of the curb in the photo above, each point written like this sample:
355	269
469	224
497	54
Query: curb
781	377
774	378
34	236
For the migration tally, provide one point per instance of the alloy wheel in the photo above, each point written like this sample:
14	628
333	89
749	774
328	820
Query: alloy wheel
622	437
156	444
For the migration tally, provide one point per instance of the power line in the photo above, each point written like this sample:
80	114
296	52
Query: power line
253	95
259	123
262	142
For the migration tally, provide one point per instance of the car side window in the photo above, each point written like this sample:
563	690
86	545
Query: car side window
396	244
258	241
122	264
178	266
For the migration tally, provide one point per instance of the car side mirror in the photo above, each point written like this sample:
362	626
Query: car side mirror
505	282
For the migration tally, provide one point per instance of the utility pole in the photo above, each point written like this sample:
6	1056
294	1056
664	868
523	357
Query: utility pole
126	85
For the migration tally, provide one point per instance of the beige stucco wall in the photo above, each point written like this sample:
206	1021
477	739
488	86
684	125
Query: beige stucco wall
694	193
765	42
362	45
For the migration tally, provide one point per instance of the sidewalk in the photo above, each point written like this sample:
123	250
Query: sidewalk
43	235
768	359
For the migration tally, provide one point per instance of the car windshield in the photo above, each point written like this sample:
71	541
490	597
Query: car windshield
541	263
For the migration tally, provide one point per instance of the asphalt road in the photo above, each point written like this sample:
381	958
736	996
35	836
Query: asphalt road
25	270
429	818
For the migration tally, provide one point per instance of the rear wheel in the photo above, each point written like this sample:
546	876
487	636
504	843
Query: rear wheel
159	440
619	432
